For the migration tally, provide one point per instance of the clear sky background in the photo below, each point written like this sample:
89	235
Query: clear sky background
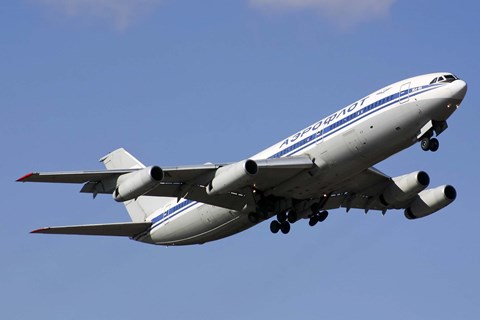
187	82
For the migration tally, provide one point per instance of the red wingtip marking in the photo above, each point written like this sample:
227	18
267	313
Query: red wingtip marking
39	230
25	177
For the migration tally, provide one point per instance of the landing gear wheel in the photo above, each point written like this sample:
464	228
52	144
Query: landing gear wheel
285	227
322	216
425	143
253	217
274	226
313	221
434	144
292	216
282	217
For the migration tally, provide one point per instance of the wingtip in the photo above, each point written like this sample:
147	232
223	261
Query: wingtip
41	230
24	177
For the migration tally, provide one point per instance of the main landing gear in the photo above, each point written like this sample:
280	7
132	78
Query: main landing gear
284	219
317	217
283	222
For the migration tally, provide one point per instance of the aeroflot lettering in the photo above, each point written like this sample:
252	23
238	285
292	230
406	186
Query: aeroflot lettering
315	127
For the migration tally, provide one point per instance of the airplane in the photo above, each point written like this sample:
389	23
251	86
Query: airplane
325	166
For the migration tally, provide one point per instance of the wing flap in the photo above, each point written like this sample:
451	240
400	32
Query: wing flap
127	229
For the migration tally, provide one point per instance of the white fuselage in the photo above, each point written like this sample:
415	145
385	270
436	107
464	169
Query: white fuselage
346	142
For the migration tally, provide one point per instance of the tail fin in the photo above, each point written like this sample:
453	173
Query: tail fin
138	209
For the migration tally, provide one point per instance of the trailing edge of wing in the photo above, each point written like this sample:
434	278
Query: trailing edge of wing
126	229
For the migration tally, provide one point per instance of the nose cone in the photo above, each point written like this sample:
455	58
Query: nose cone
458	89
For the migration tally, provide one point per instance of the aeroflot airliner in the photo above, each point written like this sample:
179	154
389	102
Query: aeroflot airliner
325	166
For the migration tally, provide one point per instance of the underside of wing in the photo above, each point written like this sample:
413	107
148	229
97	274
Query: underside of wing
127	229
73	176
373	190
224	185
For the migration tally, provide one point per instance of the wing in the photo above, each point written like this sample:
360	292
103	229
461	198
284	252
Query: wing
187	182
127	229
361	192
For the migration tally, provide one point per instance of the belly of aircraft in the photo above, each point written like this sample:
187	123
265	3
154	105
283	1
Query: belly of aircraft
202	224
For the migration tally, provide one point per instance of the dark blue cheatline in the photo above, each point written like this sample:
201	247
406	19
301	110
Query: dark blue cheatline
309	141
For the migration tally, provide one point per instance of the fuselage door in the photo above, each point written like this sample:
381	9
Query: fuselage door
404	93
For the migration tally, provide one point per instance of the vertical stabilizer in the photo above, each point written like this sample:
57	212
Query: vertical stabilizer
138	209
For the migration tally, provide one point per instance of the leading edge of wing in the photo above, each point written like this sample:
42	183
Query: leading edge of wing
125	229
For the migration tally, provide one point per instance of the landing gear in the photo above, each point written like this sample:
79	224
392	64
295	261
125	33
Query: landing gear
317	217
434	144
276	226
284	219
322	216
285	227
292	216
425	143
428	144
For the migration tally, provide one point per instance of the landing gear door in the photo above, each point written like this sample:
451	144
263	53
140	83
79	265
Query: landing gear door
404	93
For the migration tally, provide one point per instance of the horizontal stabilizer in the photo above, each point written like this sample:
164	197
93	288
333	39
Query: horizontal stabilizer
126	229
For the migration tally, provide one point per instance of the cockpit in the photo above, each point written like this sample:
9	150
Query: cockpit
445	78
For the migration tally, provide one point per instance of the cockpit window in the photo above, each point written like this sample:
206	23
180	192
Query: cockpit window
450	78
445	78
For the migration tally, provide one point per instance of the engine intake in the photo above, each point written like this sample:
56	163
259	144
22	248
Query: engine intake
404	187
232	177
430	201
135	184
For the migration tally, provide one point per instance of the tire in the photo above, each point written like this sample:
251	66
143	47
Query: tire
292	216
282	217
274	226
425	144
322	216
434	144
313	221
285	227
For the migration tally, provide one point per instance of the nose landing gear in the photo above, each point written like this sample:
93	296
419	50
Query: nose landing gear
428	144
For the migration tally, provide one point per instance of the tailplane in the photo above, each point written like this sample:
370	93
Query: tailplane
140	208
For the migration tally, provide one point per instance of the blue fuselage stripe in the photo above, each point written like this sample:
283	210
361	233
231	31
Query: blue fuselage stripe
347	121
311	140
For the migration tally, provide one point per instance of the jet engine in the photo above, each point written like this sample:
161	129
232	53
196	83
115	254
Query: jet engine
134	184
404	187
430	201
232	176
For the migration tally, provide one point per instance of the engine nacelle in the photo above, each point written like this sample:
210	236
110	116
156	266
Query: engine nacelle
134	184
233	176
430	201
404	187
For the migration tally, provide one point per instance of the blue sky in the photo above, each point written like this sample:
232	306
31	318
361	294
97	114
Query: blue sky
186	82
